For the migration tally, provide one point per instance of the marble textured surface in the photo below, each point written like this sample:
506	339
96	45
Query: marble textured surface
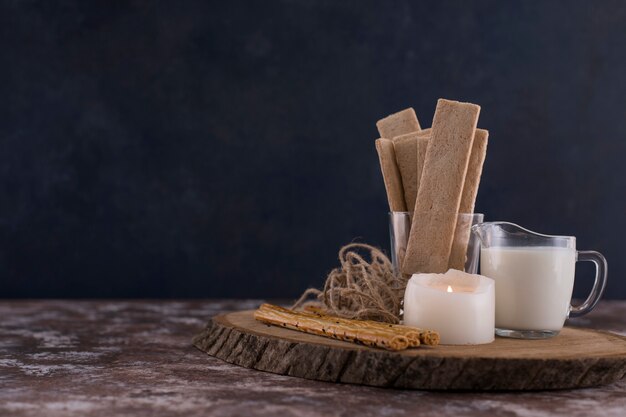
103	358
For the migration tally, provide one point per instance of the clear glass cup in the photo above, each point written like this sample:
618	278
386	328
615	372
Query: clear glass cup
534	276
464	240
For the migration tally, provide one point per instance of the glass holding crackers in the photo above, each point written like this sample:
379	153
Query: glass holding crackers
432	178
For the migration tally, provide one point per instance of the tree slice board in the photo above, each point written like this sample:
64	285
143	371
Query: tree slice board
575	358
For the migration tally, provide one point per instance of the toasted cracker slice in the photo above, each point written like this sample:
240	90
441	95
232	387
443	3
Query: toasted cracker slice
441	187
405	148
391	174
458	254
400	123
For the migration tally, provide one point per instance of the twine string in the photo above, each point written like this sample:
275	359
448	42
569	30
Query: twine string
360	288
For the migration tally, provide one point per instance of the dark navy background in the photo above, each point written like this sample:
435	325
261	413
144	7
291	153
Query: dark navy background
226	149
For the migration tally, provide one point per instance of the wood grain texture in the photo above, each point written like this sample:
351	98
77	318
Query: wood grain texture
576	358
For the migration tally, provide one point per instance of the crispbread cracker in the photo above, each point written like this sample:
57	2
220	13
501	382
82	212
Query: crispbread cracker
410	150
405	148
397	124
474	171
462	234
458	252
441	187
424	133
391	175
422	146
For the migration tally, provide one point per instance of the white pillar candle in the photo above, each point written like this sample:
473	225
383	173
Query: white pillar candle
460	306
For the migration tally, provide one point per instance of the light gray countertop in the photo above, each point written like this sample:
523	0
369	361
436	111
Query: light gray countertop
106	358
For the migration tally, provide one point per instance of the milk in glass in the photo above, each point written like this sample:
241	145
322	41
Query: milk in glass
533	285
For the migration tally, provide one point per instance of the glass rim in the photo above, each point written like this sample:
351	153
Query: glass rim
458	214
528	231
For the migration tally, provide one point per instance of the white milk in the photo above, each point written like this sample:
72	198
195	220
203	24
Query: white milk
533	285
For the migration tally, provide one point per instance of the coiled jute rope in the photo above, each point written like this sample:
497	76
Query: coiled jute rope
363	287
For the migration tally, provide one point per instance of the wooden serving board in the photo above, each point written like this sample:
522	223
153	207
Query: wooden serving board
574	359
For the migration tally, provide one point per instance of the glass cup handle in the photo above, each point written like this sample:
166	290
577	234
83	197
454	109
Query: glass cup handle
598	285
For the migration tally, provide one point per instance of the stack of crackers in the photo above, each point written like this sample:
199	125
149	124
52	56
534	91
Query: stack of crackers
434	173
